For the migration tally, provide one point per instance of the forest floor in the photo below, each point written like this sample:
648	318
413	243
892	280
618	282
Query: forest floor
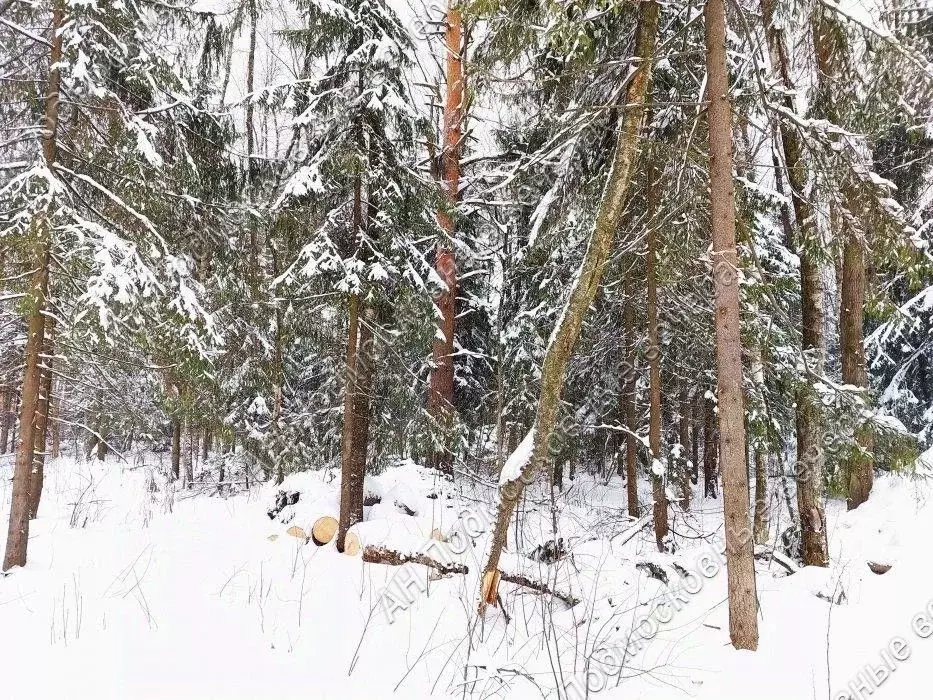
132	592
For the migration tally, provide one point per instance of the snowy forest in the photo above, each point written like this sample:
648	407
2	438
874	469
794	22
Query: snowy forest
466	348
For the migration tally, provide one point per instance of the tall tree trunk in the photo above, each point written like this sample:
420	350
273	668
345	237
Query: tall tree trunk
810	458
441	390
629	399
54	413
684	457
351	484
761	464
658	477
176	449
859	467
696	406
521	466
251	144
740	561
186	452
6	408
42	419
710	451
39	255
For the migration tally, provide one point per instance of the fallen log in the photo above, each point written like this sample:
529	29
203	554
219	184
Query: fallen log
539	586
378	554
323	530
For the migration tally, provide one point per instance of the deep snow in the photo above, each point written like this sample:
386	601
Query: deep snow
123	599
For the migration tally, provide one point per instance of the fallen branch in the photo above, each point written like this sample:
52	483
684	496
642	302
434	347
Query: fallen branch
520	580
378	554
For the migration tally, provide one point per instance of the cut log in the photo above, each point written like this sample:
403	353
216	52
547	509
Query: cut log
351	544
298	532
377	554
323	530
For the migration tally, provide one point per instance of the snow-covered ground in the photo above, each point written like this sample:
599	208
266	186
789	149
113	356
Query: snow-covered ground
130	593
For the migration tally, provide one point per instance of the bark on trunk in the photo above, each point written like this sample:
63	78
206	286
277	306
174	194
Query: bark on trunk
658	477
740	559
860	466
441	390
810	458
583	291
42	420
684	439
710	452
176	450
629	400
761	459
5	418
18	531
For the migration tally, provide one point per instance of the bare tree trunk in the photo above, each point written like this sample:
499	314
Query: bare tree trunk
42	419
40	252
55	412
629	400
186	452
658	477
684	439
521	467
441	391
176	449
761	464
351	484
810	458
6	407
740	560
710	452
858	467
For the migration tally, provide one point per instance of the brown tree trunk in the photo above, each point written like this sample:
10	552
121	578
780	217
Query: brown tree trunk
40	252
740	561
859	467
684	439
710	452
658	477
186	452
56	427
351	484
761	460
522	471
810	458
176	449
441	390
629	399
6	408
42	419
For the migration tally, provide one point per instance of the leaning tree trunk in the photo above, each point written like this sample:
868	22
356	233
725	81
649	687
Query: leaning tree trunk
39	256
740	559
659	508
810	458
42	420
520	468
441	388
